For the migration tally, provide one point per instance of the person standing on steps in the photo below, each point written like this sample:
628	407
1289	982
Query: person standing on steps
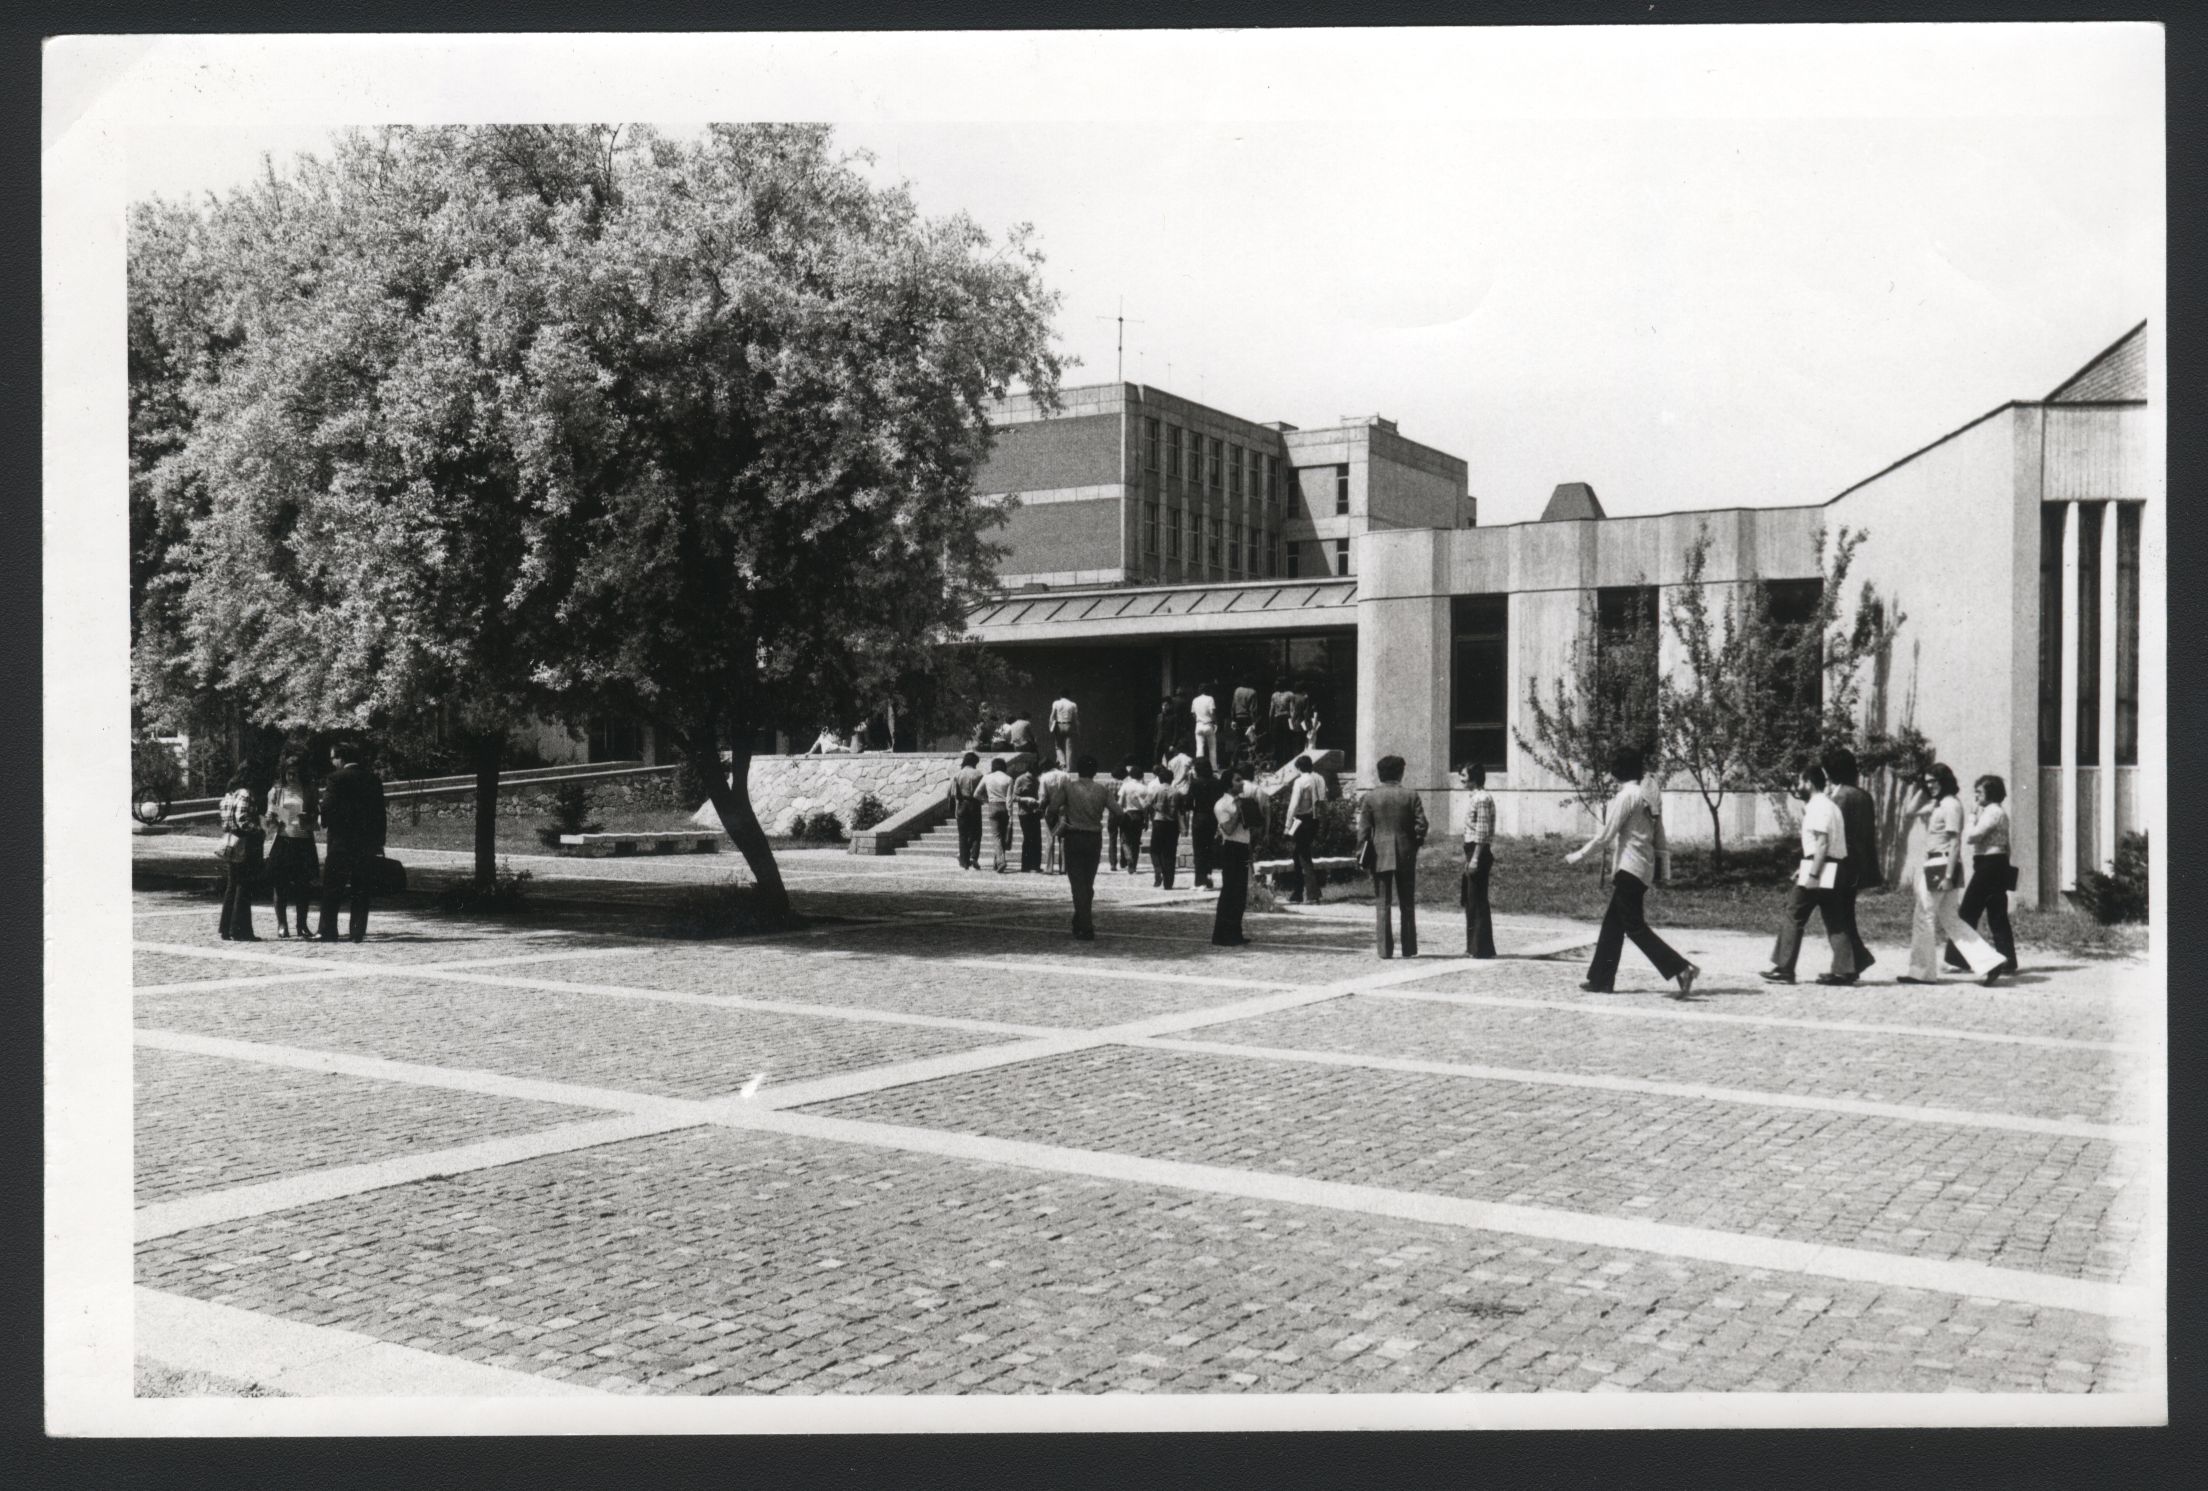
1391	829
1862	871
1634	824
353	813
1479	864
1065	724
1168	800
1280	721
1204	708
1077	809
1243	721
996	802
1233	813
1303	829
965	796
1816	883
1204	791
1165	732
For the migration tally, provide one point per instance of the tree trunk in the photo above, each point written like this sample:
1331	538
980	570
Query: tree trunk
1717	837
730	793
490	747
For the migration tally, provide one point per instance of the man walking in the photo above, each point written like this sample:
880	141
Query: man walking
1479	863
1134	812
1168	800
1824	852
1076	809
1391	828
1065	723
996	801
1303	829
1234	814
1053	860
1862	870
1204	708
1204	791
353	813
965	795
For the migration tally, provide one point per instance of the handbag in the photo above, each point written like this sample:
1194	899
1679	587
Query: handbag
231	849
2009	878
385	876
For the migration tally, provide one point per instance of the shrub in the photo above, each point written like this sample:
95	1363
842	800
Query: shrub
507	895
570	814
821	827
868	813
2122	895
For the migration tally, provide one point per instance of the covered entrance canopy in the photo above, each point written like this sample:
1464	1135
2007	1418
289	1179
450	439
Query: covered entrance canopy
1117	652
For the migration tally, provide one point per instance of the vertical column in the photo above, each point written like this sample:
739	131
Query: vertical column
2066	872
2104	849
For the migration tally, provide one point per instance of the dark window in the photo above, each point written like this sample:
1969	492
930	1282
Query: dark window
1272	479
1211	539
1479	682
1234	550
1173	534
1211	471
1295	558
1149	528
1341	556
1149	444
1234	469
616	739
2050	632
1173	450
1793	604
1341	490
2089	632
2128	516
1626	641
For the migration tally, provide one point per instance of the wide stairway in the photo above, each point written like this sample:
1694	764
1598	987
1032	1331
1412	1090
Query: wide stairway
941	842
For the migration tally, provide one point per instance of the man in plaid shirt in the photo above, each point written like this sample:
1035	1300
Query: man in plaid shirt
1479	859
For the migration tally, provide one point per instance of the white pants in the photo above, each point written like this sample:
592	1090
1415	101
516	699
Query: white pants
1207	743
1936	922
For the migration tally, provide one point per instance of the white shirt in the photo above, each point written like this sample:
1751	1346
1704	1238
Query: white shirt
1134	796
1179	765
1943	827
1821	820
1205	708
1228	812
997	789
1989	831
1303	798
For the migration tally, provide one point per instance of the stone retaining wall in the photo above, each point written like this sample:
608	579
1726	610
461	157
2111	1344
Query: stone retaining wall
787	787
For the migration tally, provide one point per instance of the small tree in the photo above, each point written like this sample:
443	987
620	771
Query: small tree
1606	699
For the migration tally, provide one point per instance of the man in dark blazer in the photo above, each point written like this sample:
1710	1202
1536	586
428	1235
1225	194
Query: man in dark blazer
1862	870
353	816
1391	825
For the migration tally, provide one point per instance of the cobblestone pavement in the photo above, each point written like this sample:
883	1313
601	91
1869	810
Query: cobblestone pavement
929	1144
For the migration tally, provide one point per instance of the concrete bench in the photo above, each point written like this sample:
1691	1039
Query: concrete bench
1329	866
603	846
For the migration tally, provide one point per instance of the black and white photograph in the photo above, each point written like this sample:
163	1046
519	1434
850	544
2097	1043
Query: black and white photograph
1172	730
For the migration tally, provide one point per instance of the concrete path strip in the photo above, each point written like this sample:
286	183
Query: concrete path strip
1908	1113
309	1361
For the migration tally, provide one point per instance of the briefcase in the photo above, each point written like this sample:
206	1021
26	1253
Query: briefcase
385	876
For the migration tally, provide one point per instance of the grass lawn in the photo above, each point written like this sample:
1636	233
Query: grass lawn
1749	894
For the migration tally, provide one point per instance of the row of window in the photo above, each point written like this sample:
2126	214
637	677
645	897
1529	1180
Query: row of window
2099	523
1318	560
1213	463
1238	548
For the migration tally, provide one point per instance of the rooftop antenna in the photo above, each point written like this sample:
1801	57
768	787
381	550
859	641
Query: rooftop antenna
1119	369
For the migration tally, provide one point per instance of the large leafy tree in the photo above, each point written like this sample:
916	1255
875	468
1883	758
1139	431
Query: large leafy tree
1605	699
757	425
336	485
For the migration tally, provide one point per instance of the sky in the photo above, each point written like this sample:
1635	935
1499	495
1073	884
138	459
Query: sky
1686	298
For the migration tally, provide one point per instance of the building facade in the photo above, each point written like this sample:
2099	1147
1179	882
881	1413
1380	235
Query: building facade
2024	549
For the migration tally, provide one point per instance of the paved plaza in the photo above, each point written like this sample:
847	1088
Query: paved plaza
930	1144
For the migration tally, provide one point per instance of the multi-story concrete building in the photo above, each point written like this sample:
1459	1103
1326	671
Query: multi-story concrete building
2024	548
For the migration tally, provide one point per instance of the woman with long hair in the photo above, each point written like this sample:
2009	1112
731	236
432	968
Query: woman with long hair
290	820
1939	882
240	813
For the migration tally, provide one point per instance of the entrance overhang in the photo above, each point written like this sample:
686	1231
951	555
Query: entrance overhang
1126	614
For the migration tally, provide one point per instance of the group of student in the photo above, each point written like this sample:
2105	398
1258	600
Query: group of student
349	807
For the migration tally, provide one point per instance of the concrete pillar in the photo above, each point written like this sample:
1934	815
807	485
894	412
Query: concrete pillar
2104	852
2066	872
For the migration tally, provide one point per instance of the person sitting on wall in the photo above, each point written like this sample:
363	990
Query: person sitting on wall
829	743
1019	736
